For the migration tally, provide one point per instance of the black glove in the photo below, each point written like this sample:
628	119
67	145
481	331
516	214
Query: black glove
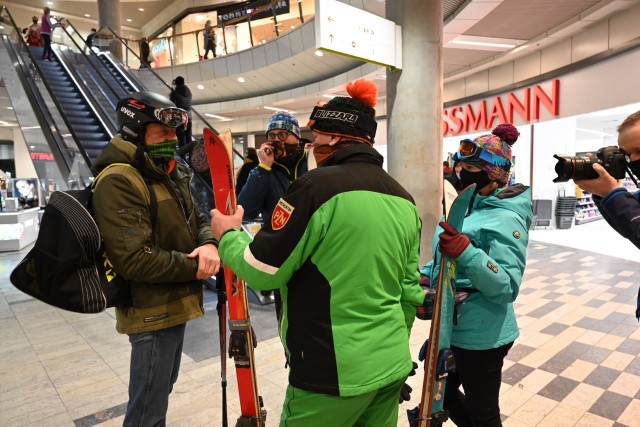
405	393
422	354
413	369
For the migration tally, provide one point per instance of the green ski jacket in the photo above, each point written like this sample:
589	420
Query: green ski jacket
342	246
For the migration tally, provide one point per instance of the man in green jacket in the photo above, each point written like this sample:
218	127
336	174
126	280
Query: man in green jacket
154	237
342	247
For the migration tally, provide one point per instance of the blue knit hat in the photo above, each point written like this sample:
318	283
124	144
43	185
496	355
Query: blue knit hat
284	120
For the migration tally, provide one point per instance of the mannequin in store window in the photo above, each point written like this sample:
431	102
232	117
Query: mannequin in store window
619	207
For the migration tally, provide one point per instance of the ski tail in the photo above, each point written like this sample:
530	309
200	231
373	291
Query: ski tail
242	341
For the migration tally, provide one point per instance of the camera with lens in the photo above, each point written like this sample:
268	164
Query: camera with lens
611	158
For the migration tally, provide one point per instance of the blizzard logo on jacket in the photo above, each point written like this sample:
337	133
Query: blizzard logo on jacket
281	214
335	115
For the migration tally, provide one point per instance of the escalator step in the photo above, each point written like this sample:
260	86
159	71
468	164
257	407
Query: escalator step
93	138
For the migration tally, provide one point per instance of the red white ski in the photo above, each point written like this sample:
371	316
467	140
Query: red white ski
219	149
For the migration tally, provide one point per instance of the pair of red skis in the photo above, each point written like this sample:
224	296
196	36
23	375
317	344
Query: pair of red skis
219	148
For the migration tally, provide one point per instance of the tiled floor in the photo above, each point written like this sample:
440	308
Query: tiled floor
576	363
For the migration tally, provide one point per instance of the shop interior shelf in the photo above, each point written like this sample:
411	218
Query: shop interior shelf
585	220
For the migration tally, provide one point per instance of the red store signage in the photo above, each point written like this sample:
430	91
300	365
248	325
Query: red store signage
502	109
39	155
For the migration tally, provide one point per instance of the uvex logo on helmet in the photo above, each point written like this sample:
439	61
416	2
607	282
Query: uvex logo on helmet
127	112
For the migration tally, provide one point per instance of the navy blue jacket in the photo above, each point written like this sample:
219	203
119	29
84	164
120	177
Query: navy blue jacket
264	188
621	209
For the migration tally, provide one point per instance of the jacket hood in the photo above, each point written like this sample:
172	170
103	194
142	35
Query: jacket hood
117	151
516	198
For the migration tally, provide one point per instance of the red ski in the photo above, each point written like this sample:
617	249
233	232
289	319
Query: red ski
219	149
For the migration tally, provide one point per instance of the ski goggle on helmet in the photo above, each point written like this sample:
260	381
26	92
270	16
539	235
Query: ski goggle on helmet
470	151
172	117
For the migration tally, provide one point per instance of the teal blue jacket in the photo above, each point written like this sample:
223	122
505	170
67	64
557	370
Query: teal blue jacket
493	265
342	247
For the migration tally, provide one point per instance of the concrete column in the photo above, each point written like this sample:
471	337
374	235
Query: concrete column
414	110
109	16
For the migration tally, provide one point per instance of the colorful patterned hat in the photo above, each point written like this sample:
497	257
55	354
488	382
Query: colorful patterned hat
283	120
498	143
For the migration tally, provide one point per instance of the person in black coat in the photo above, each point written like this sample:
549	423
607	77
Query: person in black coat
145	49
454	177
250	162
181	96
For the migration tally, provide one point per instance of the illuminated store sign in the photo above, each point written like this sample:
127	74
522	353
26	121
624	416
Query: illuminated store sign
234	12
39	155
526	105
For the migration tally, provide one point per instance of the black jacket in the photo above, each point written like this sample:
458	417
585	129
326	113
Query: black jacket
181	96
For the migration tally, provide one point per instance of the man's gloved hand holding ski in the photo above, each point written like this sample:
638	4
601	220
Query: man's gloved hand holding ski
452	243
425	311
405	391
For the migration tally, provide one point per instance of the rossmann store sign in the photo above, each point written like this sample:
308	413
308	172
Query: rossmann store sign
532	104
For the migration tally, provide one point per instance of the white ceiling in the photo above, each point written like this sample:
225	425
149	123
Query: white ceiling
525	23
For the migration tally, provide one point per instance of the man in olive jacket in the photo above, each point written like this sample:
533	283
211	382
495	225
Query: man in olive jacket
154	237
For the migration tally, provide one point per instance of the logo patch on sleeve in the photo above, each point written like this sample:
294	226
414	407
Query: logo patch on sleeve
492	266
281	214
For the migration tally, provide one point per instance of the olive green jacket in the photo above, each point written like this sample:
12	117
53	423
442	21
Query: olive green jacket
164	288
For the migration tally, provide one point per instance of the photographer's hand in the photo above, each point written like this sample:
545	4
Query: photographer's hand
601	185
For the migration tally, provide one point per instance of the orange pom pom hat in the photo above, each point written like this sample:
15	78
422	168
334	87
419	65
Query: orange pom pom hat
352	117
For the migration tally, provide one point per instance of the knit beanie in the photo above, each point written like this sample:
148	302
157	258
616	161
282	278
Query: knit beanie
283	120
179	80
499	144
352	116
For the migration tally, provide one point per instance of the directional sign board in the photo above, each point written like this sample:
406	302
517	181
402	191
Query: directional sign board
353	32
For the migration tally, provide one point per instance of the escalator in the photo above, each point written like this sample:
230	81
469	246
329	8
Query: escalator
84	122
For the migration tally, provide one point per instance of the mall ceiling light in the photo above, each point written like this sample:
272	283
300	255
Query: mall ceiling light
275	109
141	9
200	87
215	116
319	53
484	43
86	15
241	79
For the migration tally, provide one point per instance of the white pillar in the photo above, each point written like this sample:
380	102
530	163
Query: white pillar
414	110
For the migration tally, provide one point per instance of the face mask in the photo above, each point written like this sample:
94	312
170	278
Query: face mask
323	152
165	150
291	154
481	179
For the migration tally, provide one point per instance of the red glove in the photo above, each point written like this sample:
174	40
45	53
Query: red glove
452	243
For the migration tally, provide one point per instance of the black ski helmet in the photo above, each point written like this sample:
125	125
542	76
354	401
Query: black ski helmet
139	109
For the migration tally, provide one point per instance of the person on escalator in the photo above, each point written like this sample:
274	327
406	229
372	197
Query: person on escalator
145	50
46	31
90	38
181	96
33	33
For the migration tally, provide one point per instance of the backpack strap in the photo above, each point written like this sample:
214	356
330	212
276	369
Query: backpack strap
139	183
